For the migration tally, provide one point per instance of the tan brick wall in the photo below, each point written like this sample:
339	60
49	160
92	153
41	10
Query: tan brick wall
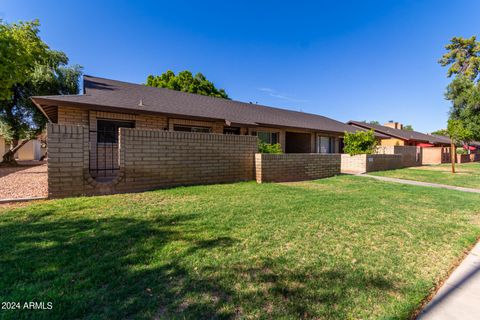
362	163
148	159
142	121
152	159
79	116
381	162
67	159
295	166
411	155
353	164
72	116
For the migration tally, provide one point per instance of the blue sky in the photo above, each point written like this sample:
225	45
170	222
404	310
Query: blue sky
361	60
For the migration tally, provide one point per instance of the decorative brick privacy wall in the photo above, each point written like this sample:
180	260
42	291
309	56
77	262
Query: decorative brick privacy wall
411	155
148	159
353	164
435	155
370	162
67	159
295	166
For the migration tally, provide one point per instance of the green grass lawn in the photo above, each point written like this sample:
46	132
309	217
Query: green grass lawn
467	174
338	248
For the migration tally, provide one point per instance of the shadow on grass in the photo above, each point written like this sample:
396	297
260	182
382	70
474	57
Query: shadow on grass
110	268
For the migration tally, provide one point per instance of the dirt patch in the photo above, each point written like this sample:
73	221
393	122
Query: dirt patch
25	181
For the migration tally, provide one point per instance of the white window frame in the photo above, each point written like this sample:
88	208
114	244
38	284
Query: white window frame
331	144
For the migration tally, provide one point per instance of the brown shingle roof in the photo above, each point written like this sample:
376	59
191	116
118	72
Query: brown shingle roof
105	93
402	134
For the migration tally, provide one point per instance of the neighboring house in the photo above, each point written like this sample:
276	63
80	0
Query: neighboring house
108	104
3	146
396	136
30	151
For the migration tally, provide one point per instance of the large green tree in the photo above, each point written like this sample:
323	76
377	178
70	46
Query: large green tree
463	62
441	132
459	133
28	67
186	82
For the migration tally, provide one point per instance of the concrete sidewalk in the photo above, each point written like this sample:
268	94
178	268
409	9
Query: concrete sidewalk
459	297
419	183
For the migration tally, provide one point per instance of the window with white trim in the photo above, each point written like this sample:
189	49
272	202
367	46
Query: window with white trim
326	144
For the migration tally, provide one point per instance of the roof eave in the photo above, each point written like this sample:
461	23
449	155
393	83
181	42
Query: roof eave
39	101
39	106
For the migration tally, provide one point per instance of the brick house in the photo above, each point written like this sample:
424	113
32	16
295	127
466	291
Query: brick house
107	105
395	135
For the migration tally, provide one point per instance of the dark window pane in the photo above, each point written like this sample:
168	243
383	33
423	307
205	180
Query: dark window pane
191	129
274	138
182	128
231	130
200	129
268	137
264	136
107	130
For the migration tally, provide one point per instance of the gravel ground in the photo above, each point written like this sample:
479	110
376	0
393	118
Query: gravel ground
24	182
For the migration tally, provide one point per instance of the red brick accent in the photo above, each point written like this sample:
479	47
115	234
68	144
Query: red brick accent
295	166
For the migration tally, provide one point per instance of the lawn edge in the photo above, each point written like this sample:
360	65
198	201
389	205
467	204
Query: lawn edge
442	281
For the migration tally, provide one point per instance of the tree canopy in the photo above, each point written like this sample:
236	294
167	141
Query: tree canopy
458	132
408	127
462	57
20	51
441	132
29	67
186	82
463	62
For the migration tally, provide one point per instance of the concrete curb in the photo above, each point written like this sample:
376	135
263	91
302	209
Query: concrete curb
22	199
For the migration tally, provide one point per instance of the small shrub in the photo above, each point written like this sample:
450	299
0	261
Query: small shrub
360	142
461	151
269	148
